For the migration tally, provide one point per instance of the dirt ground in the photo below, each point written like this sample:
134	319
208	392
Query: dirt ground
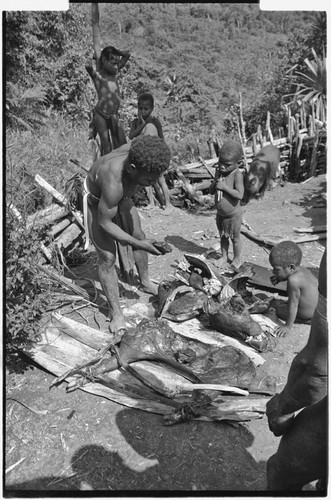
86	442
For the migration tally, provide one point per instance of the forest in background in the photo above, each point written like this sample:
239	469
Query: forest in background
194	58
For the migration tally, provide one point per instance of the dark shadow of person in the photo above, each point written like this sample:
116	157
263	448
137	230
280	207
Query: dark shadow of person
185	245
192	456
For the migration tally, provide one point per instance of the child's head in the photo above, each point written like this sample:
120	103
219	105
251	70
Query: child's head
145	105
285	258
110	59
230	156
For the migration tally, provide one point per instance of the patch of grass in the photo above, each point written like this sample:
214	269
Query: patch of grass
47	152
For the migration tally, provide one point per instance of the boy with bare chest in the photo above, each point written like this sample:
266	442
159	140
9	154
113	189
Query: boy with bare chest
105	114
228	187
302	286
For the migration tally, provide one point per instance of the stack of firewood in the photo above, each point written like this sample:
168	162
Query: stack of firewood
66	229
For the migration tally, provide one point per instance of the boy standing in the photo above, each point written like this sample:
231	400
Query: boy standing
105	113
302	286
228	187
146	124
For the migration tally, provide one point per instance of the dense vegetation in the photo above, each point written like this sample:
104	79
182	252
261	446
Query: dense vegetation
194	58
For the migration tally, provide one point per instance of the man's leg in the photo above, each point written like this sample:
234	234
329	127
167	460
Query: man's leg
166	195
106	249
302	453
140	256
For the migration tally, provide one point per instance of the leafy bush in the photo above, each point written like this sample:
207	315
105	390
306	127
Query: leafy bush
26	294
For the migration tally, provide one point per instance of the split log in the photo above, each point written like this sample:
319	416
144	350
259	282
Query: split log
18	215
60	226
59	197
83	333
197	175
46	215
210	387
315	229
69	236
202	186
270	242
209	170
188	188
58	353
190	166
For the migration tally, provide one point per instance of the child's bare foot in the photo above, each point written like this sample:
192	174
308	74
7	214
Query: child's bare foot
149	287
222	262
167	210
148	207
236	264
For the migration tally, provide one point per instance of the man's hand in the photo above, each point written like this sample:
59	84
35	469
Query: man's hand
274	280
148	246
283	330
278	423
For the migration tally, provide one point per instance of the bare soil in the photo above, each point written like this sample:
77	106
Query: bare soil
85	442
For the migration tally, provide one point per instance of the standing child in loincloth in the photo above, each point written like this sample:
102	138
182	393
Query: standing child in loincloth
147	124
228	187
105	113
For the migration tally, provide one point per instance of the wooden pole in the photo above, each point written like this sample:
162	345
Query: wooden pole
270	136
242	123
95	16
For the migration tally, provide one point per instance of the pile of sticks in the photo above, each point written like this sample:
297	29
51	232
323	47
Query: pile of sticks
66	229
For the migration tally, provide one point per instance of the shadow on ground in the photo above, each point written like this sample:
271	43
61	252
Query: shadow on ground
185	245
194	456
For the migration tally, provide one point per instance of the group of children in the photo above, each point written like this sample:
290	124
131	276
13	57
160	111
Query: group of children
285	258
105	121
227	186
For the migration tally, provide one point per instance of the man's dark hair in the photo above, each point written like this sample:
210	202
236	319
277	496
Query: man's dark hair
285	254
149	153
146	97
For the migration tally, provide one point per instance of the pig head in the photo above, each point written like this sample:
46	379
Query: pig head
262	171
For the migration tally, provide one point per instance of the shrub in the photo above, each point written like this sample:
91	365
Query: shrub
26	293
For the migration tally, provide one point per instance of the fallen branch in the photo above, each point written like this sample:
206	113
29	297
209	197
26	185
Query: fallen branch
68	236
209	170
59	197
188	188
270	242
46	215
209	387
66	282
315	229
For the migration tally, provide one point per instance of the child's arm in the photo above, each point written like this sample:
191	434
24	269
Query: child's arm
125	56
212	187
293	291
237	191
89	68
136	129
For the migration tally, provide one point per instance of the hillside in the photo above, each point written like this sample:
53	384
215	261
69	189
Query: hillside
215	50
